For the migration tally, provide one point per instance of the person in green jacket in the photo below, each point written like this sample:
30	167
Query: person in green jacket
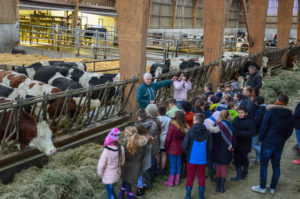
146	92
232	109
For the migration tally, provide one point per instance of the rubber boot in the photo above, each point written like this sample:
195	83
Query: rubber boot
177	179
122	191
238	175
245	171
211	175
139	193
222	184
218	182
129	195
201	192
170	181
188	193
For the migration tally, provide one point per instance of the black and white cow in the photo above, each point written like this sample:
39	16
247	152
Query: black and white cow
79	65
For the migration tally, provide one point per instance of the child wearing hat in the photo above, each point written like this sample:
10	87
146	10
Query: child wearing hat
110	162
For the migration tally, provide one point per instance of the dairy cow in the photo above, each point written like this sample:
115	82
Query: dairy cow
31	133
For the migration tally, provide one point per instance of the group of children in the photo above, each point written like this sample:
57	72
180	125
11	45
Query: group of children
208	131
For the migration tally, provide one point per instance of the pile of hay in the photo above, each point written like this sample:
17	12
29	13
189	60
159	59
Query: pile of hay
286	82
70	175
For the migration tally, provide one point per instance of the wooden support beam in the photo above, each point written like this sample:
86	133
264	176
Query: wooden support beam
17	9
132	27
150	9
196	3
175	3
298	25
285	15
213	35
245	14
7	12
76	13
257	23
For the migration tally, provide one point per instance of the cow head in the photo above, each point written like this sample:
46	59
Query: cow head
42	140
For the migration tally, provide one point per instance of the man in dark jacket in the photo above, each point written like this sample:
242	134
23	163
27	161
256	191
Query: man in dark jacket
276	128
297	131
244	130
196	144
255	79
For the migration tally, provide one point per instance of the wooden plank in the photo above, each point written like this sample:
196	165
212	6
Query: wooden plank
298	26
7	12
175	3
17	9
149	16
76	14
196	3
245	15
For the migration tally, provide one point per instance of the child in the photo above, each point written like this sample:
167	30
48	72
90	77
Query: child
181	86
232	109
208	89
214	102
223	147
135	148
172	108
224	103
238	98
188	114
248	101
165	121
259	115
244	129
227	90
173	145
110	162
196	144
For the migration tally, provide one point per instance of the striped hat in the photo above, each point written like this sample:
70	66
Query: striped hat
113	135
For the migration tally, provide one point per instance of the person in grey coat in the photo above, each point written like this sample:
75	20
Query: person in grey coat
255	79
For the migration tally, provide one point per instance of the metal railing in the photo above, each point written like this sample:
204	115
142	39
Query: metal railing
67	117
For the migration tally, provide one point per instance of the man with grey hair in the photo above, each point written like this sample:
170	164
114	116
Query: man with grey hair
255	79
146	92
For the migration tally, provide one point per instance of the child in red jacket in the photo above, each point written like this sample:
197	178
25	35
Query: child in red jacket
188	114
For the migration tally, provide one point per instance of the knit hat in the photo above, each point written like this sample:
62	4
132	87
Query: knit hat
152	110
214	99
113	135
219	95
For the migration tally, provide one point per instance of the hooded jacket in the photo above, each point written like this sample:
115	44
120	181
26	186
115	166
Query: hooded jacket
175	136
244	130
197	144
259	115
277	125
165	122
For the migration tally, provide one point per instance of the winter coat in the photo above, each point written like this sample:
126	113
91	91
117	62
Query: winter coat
221	107
132	168
255	81
244	130
250	106
109	166
175	136
259	115
207	94
197	144
233	114
146	93
221	154
277	125
206	113
180	89
165	122
189	118
297	117
171	113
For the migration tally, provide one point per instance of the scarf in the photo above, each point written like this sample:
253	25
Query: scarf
280	103
226	132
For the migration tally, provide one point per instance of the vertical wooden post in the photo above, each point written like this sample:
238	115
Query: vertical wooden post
132	24
213	35
298	25
150	9
17	9
175	2
76	14
195	13
257	23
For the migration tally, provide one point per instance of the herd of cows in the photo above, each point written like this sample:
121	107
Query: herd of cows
46	78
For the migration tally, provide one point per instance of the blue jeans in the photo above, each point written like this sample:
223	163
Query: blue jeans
297	131
175	164
274	153
256	147
110	191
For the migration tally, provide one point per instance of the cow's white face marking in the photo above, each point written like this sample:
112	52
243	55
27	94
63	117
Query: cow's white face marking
175	64
30	72
80	66
265	62
43	140
158	71
117	78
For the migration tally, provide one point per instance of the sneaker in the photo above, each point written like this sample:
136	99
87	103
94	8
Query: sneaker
258	189
269	188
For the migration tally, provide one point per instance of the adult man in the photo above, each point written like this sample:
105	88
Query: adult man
146	92
275	129
255	79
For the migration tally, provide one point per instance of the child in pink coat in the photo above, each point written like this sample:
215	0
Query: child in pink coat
110	162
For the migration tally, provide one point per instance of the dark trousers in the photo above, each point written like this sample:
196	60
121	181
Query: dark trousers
191	172
274	153
240	159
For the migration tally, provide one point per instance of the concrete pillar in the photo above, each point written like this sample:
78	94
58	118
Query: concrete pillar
132	24
298	25
8	26
257	21
213	35
285	15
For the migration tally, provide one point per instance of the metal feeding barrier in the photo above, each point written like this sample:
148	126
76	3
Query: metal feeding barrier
199	75
65	120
